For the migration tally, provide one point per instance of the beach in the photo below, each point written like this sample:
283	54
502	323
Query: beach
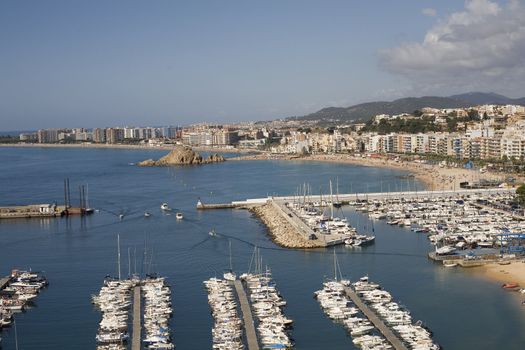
514	272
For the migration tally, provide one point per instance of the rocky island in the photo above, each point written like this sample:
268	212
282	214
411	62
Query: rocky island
183	155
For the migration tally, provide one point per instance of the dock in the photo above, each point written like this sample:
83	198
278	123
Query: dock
376	321
4	281
136	330
247	316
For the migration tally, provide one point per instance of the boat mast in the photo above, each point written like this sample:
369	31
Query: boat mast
331	202
335	268
118	255
231	265
129	263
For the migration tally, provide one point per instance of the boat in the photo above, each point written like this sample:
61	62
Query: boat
164	206
179	216
450	264
230	275
445	250
147	214
510	286
212	233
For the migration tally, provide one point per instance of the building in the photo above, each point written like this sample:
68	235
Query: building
47	135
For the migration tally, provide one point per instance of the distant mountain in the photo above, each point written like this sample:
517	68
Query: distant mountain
365	111
480	98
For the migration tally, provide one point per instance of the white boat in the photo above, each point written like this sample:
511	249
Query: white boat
164	206
450	264
212	233
146	214
179	216
445	250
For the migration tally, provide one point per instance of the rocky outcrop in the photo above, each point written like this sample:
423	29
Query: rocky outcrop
280	230
183	155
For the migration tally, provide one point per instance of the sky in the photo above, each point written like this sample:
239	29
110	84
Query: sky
103	63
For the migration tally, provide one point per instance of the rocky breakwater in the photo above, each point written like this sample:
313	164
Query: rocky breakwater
183	155
281	231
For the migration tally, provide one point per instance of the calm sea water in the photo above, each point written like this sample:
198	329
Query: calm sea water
464	312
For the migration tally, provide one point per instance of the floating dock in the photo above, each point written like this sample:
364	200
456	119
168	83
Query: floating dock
249	326
136	331
376	321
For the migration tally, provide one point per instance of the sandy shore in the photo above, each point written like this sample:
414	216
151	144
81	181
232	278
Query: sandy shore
434	177
515	272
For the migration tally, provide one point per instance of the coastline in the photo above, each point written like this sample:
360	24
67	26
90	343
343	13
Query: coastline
433	177
120	146
514	272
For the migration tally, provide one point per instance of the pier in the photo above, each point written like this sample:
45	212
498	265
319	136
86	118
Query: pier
247	316
4	281
136	331
376	321
352	197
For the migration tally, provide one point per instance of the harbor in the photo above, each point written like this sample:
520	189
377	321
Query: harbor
18	293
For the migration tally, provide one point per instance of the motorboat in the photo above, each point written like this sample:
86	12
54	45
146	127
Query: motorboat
179	216
147	214
164	206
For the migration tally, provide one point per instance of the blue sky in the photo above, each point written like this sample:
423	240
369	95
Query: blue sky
104	63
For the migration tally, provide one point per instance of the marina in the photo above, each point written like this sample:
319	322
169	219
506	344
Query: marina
18	292
184	251
227	329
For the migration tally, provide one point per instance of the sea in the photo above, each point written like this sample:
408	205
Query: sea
464	310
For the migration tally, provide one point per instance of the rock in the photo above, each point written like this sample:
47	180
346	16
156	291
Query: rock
281	232
183	155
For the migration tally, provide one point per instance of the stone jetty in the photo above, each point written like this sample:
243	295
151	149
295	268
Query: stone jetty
281	231
183	155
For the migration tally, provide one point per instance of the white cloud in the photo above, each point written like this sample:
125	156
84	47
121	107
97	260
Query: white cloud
430	12
481	47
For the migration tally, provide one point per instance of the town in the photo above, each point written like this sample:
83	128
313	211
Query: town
485	132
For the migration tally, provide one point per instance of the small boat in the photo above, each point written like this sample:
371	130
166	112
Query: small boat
164	206
179	216
121	216
450	264
212	233
147	214
510	286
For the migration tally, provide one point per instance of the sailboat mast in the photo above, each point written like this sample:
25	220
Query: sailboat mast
335	268
129	263
331	202
231	265
118	254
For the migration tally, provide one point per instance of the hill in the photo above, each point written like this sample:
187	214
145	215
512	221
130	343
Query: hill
364	111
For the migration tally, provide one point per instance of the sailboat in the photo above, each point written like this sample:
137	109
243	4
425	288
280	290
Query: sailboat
88	209
337	203
230	275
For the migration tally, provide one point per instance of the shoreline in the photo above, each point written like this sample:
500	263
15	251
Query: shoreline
513	272
121	146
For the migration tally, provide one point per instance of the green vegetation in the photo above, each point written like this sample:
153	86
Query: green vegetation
9	139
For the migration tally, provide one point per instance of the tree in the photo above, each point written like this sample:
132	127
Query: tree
520	192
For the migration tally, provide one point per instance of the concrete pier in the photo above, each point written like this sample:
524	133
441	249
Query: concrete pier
136	330
249	326
376	321
4	281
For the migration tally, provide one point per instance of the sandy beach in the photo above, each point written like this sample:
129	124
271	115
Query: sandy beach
434	177
515	272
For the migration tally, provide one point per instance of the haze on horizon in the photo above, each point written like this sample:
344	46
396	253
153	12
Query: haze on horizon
106	63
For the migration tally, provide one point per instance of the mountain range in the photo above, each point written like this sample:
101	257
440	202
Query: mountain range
365	111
